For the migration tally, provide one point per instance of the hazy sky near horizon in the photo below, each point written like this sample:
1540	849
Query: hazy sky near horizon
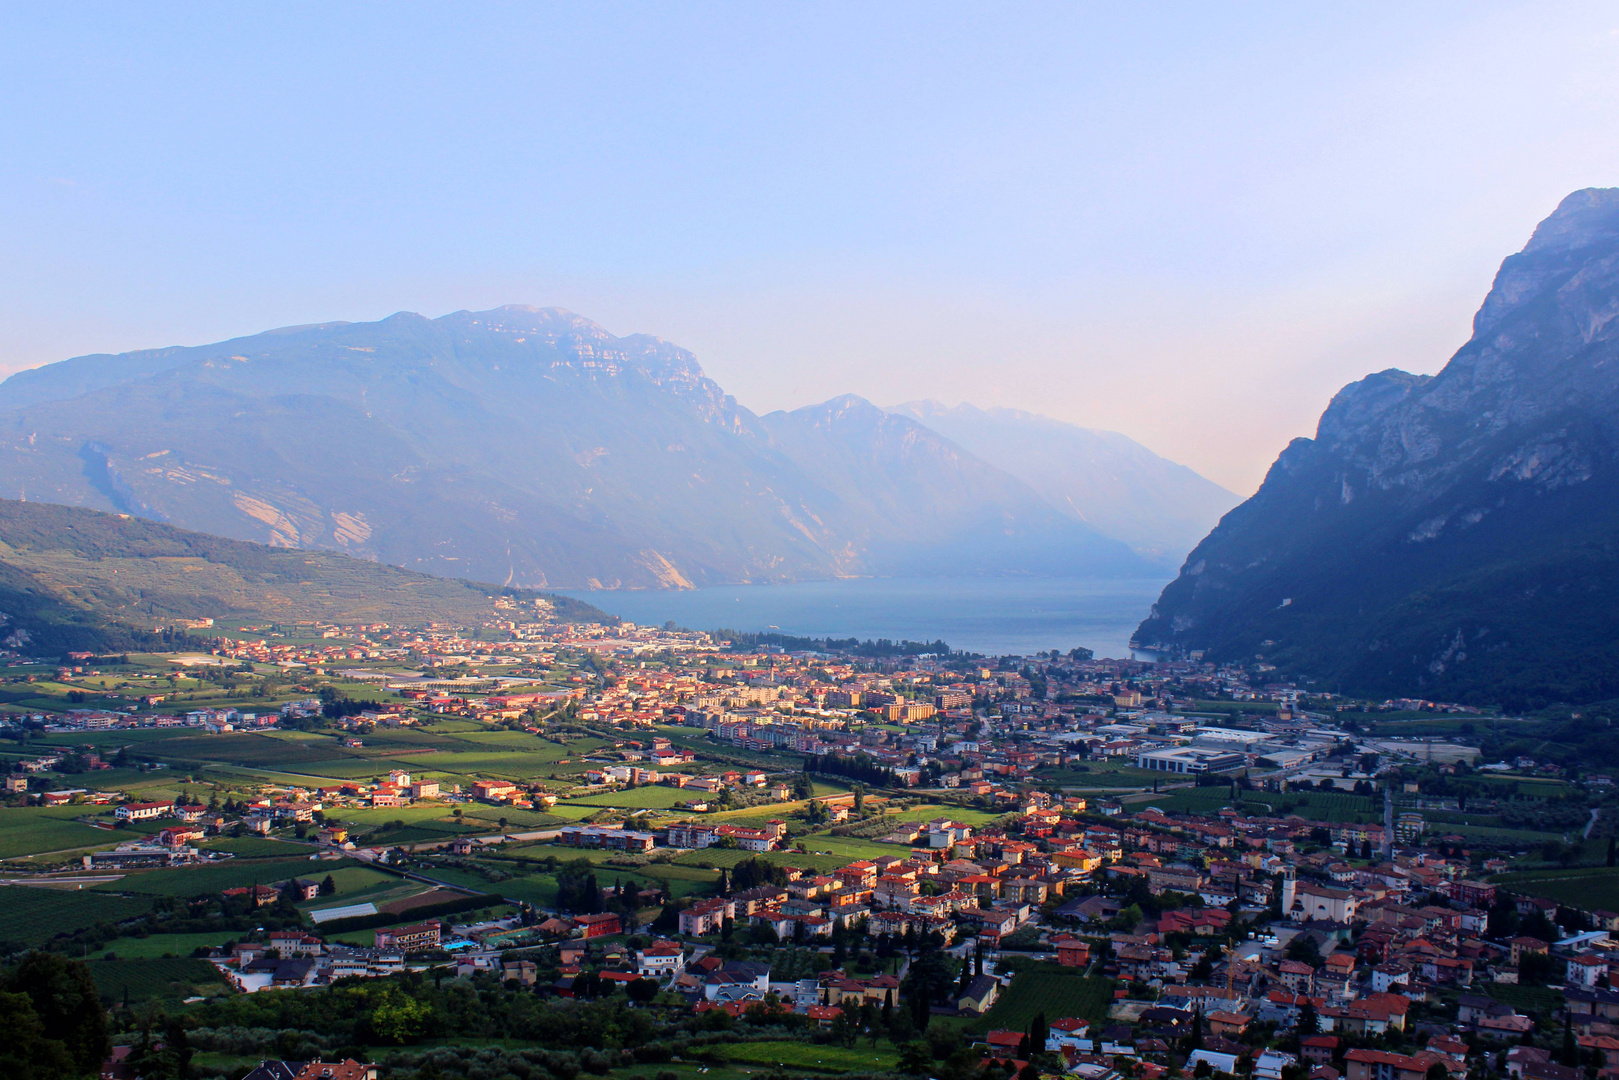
1190	223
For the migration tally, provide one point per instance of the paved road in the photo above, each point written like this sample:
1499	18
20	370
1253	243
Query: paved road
1586	835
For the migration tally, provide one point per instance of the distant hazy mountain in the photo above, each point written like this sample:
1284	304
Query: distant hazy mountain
72	578
1107	480
1453	536
521	446
908	497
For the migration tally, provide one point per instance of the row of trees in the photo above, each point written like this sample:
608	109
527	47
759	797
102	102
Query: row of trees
853	766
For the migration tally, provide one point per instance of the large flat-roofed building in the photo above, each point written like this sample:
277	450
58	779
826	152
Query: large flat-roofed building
1219	738
1190	759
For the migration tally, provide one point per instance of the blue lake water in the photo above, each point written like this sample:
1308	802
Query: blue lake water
994	616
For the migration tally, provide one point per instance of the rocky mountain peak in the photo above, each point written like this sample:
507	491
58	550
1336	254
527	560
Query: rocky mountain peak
1586	217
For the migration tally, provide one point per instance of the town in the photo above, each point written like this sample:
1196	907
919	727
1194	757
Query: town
1106	868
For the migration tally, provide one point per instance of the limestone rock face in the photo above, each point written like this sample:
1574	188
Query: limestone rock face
1446	535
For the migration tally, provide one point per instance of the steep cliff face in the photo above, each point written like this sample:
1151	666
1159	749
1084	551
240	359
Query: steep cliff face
1454	536
521	446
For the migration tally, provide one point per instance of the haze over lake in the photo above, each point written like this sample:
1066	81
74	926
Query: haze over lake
990	615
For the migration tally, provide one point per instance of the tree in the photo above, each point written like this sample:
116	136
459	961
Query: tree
67	1005
1039	1032
166	1059
845	1029
642	991
928	978
915	1058
27	1052
1308	1021
1304	949
328	887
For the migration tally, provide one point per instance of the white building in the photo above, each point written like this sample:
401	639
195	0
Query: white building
1190	759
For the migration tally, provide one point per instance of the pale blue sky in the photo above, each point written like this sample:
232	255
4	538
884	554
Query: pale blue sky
1191	223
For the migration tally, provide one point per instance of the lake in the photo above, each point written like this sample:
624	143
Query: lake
994	616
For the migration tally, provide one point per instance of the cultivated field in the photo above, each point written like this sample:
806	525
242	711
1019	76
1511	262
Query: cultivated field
1595	889
1056	991
34	830
166	981
33	916
803	1055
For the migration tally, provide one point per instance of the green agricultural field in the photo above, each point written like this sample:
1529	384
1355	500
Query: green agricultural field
33	916
1315	805
1205	800
804	1055
165	981
1100	774
537	889
967	815
680	881
210	878
139	738
850	848
1595	889
428	832
35	830
418	814
641	798
489	763
465	879
249	749
729	857
570	812
256	847
155	946
1507	839
351	878
1056	991
1534	1000
487	818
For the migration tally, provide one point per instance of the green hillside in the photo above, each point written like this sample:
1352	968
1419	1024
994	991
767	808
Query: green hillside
72	578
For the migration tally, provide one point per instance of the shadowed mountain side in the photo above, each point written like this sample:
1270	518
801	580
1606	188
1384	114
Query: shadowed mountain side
1454	536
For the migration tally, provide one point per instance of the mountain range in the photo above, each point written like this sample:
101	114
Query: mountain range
1102	478
1453	536
528	447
